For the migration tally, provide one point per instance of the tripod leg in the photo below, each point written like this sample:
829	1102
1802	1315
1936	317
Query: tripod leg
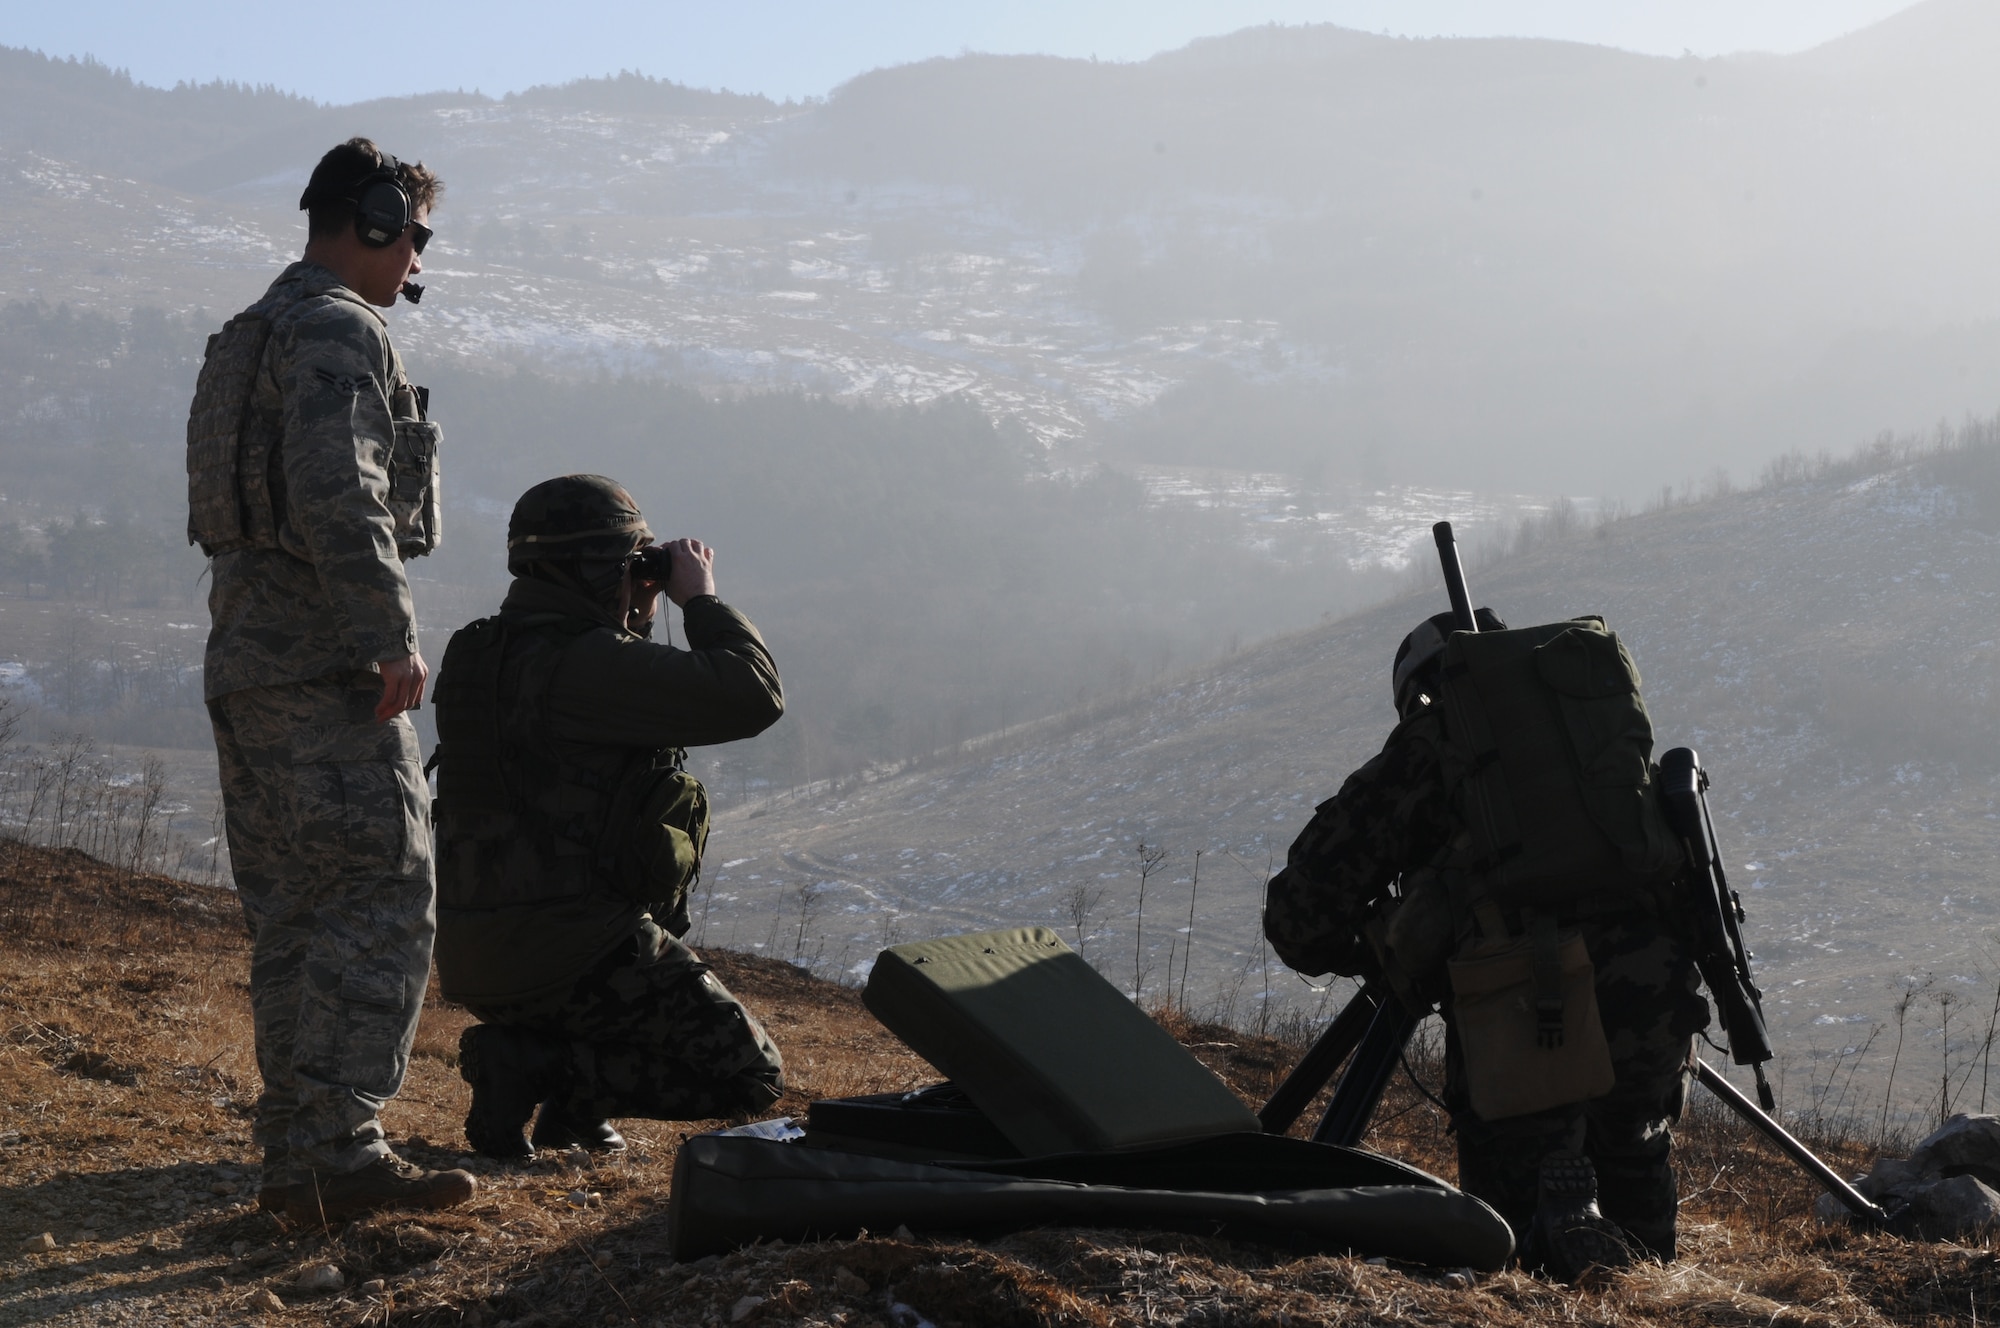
1367	1076
1317	1066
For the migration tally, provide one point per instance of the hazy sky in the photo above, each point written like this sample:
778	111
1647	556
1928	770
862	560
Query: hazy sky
794	48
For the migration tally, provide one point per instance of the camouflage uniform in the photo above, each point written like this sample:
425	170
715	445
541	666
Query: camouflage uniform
1393	816
648	1030
326	808
652	1033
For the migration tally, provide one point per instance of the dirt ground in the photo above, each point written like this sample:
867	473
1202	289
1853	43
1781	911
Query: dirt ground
127	1184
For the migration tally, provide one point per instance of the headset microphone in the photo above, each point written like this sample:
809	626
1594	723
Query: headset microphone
413	292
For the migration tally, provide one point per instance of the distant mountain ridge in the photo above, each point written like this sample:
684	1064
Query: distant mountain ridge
1497	264
1962	36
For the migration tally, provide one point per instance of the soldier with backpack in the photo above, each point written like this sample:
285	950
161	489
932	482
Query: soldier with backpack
1505	857
569	834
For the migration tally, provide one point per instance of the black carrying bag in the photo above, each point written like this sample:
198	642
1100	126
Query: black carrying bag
732	1190
940	1123
1069	1106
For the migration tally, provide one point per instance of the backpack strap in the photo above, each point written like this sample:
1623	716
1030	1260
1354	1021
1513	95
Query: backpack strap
1487	807
1548	978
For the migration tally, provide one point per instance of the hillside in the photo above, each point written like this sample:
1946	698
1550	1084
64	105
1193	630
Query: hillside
1816	641
127	1081
126	1076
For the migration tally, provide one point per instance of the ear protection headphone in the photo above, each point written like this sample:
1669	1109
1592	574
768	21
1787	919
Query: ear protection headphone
381	208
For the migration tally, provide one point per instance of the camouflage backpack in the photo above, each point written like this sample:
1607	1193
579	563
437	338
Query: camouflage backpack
520	823
1547	759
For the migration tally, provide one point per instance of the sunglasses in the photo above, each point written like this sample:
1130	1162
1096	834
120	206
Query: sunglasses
420	235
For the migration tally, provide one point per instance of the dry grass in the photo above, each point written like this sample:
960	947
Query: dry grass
126	1078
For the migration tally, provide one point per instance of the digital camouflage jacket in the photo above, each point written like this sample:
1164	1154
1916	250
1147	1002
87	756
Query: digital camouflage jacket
332	596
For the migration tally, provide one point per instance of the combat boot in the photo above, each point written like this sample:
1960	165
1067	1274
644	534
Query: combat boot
563	1125
277	1198
273	1195
510	1070
387	1182
1569	1234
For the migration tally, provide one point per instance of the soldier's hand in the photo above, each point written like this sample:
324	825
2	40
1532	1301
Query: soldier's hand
402	685
693	574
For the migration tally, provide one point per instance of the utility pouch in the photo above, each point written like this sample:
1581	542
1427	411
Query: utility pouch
413	487
659	822
1498	1003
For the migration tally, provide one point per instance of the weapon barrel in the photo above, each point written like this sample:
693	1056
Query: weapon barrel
1719	950
1454	577
1857	1203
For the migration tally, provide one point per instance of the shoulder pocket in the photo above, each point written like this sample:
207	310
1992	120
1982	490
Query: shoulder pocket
413	486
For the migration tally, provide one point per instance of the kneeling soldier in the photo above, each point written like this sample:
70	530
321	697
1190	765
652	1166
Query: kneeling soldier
568	834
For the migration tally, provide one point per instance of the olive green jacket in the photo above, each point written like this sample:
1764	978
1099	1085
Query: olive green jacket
613	692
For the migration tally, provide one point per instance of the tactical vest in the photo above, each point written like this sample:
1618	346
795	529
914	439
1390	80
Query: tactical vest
235	425
1547	763
518	822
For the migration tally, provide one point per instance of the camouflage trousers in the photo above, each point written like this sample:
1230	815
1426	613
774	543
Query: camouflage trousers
1651	1007
653	1034
329	838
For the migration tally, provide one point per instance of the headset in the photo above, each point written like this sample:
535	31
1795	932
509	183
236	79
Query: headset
382	210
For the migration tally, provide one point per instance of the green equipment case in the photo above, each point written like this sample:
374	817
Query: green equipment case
1056	1057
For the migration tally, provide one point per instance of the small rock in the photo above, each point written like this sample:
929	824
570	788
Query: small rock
600	1258
584	1199
1965	1143
374	1286
1958	1206
577	1158
265	1299
222	1187
1886	1175
85	1238
320	1277
850	1281
744	1308
1459	1278
239	1248
903	1232
1377	1262
41	1244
